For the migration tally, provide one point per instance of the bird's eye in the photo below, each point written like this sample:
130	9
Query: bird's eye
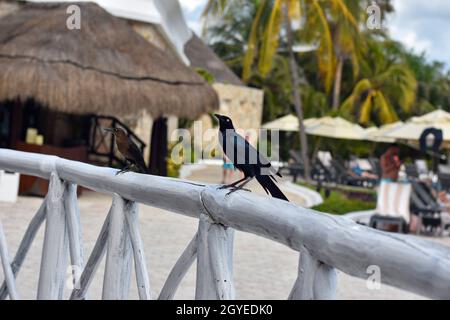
228	120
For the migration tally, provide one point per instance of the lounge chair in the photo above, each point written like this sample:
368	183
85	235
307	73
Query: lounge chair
422	167
444	176
347	177
320	172
295	166
411	171
393	207
376	167
427	208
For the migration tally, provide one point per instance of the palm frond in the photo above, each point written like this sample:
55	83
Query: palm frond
366	108
250	54
326	52
270	38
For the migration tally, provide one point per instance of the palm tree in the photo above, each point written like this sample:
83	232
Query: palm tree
264	38
387	87
347	43
268	21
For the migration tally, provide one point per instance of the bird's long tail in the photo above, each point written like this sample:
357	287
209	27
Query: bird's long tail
270	187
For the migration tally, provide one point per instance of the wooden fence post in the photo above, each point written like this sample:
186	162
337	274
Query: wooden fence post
54	253
142	280
7	271
315	280
214	261
179	270
93	262
116	283
25	244
325	283
74	231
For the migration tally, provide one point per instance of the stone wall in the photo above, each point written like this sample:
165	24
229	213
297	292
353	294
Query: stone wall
244	106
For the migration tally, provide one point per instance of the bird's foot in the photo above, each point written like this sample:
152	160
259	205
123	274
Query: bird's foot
121	172
234	189
225	186
124	169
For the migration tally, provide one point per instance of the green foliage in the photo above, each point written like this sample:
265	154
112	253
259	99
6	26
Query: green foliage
209	78
387	86
339	202
433	83
382	81
173	169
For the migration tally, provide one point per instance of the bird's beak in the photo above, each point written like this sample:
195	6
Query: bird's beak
218	116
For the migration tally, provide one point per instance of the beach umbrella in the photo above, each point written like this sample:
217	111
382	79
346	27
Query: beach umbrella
379	134
413	128
288	123
337	128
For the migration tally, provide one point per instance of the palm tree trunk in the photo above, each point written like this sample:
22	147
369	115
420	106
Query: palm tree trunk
337	83
296	94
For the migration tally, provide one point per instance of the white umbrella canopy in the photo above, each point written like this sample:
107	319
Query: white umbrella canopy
413	128
379	134
287	123
337	128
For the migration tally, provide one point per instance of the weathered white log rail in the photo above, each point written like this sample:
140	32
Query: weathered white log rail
324	242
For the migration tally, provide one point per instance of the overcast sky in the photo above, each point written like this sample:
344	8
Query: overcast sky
420	25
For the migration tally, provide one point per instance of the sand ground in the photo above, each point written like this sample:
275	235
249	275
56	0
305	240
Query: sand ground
263	269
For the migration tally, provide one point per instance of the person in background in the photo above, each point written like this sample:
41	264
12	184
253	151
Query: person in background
444	201
390	164
228	169
356	170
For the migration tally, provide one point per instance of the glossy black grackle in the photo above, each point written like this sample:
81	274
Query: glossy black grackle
247	159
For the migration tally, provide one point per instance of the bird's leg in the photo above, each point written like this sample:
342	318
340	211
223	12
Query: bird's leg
241	187
124	169
226	186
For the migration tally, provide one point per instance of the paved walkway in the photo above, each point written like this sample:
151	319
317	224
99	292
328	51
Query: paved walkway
263	269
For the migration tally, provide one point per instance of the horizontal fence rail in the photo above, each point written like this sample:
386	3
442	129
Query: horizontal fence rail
325	243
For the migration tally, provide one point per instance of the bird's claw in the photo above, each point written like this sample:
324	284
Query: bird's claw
236	189
228	193
223	187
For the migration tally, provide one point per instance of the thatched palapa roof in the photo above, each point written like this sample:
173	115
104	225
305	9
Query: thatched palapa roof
106	67
202	56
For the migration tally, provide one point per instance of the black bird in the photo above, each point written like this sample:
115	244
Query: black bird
129	150
247	159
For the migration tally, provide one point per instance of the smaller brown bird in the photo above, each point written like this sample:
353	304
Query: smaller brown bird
129	150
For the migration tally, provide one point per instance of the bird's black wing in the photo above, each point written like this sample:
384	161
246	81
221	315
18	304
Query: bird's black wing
240	151
137	157
245	153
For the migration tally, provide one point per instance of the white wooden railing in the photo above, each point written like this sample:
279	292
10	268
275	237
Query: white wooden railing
325	242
